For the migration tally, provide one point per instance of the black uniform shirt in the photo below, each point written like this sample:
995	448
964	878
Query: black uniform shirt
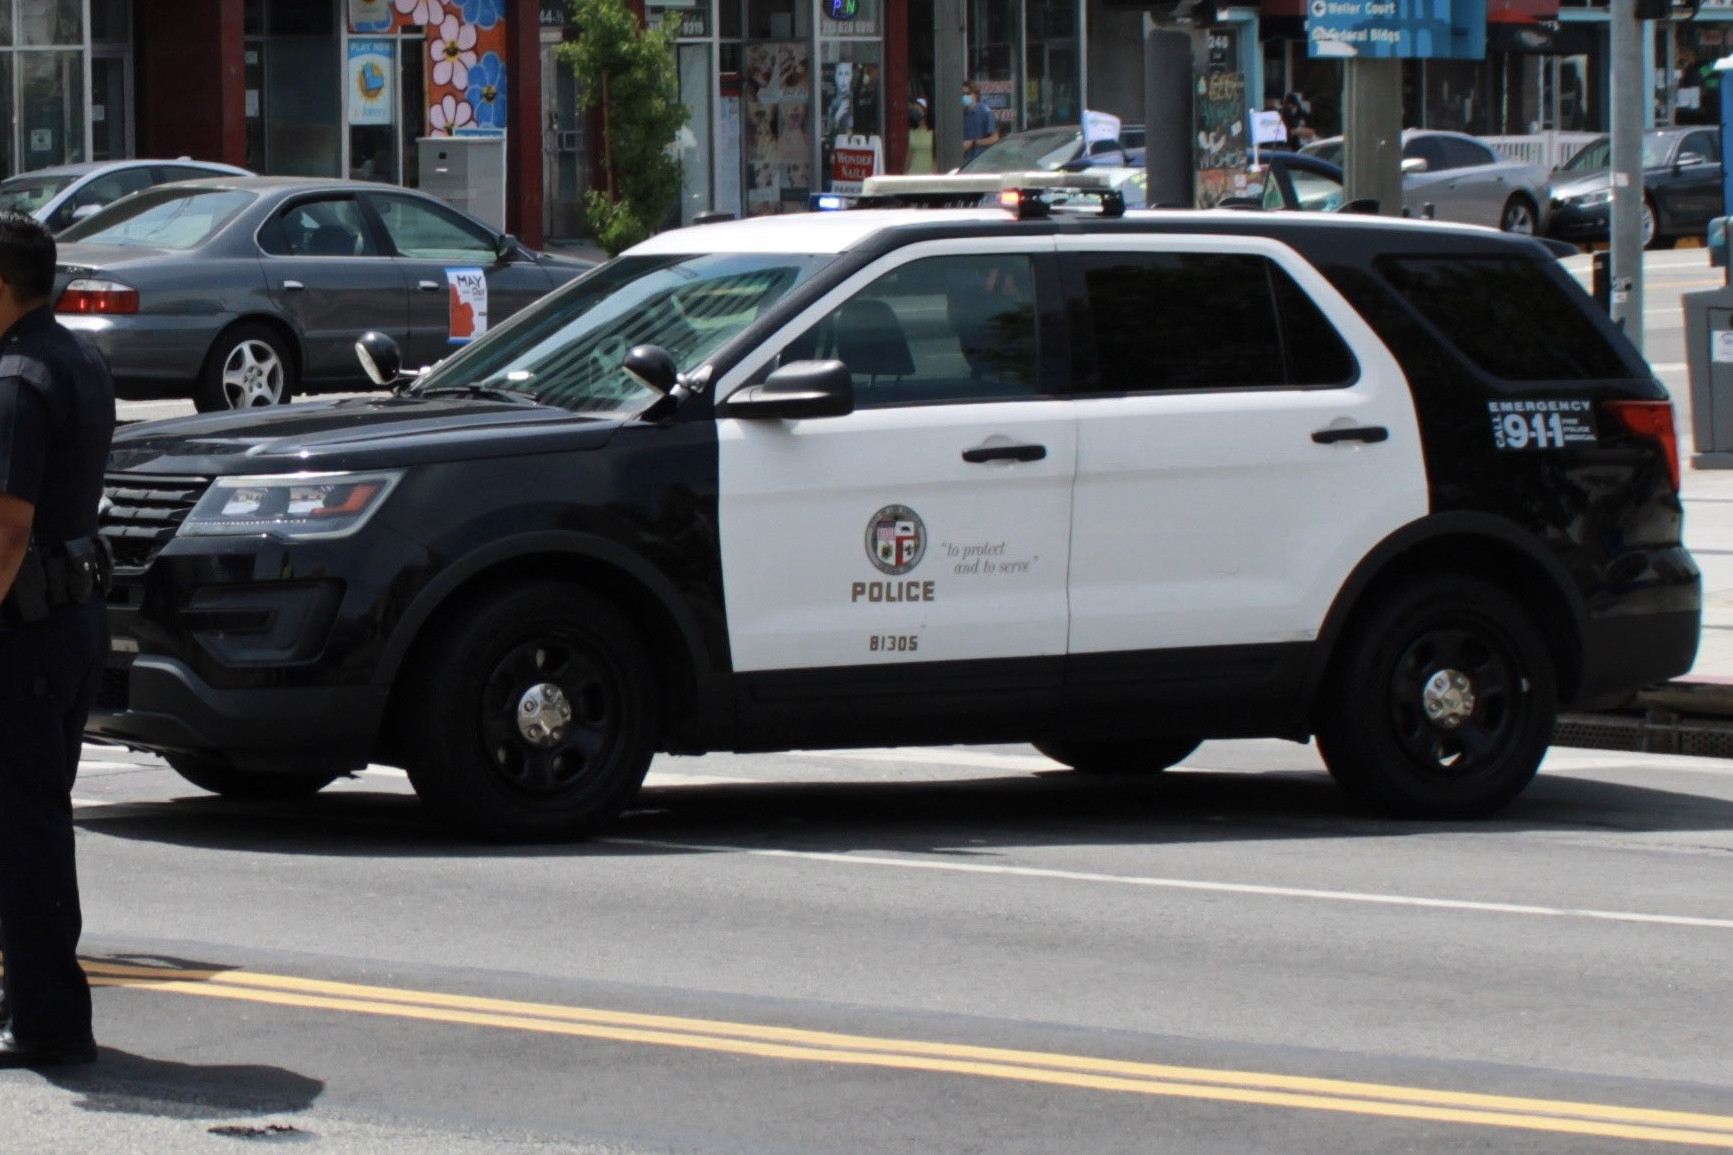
56	419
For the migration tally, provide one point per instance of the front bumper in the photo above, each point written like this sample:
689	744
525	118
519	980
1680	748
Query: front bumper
1579	222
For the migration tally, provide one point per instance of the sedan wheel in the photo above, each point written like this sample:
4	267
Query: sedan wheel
248	367
1518	216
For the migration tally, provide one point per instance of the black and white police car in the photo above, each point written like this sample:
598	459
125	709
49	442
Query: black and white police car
1112	484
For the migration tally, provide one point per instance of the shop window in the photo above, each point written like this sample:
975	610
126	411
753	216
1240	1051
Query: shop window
44	22
110	21
52	124
301	18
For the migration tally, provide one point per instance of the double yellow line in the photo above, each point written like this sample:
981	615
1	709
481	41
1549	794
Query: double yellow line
1079	1071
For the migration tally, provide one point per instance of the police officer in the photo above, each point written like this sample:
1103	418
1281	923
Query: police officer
56	418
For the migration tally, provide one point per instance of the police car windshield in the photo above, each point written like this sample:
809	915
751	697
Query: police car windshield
568	349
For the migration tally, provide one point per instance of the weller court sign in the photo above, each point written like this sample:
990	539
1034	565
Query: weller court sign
1403	29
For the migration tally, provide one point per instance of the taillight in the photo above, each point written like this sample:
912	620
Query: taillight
1651	419
87	295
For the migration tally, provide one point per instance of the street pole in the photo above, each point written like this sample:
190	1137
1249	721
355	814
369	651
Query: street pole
1372	132
1626	232
947	84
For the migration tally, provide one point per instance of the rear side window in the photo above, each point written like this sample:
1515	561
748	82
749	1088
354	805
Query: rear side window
1165	321
1507	316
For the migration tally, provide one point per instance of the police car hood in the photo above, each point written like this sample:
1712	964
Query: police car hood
359	433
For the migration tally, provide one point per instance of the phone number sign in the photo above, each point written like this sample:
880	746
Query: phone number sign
1397	29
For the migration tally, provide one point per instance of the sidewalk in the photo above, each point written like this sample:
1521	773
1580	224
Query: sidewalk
1708	497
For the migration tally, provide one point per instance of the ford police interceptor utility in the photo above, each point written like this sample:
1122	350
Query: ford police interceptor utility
1112	484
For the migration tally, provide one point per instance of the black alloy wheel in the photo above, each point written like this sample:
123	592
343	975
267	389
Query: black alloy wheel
1150	756
1439	702
533	713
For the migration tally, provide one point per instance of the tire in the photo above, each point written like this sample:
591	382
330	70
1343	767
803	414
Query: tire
249	365
474	753
1150	757
1519	216
219	777
1373	726
1651	228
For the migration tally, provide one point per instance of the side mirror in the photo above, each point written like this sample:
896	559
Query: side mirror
1414	164
654	366
505	248
85	212
380	357
797	390
1688	159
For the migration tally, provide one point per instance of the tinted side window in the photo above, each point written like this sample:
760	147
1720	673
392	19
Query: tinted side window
428	232
1206	321
1428	149
322	228
1465	153
1507	316
1704	144
938	329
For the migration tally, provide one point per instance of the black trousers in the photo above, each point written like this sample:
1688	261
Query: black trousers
49	674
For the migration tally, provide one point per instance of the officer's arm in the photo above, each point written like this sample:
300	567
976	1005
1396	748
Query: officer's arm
15	518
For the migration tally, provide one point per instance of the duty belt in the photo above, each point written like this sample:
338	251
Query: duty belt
56	574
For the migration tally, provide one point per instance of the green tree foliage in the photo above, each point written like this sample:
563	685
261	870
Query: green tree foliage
629	71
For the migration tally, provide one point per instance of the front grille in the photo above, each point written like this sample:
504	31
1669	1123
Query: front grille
142	513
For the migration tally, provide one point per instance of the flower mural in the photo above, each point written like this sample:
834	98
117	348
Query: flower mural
420	11
453	53
449	115
483	13
487	91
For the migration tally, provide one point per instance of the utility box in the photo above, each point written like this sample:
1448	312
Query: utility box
467	172
1709	354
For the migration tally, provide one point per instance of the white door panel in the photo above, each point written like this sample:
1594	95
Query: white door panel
1207	517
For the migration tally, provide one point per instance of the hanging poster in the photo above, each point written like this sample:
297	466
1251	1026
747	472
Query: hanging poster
468	303
369	15
778	128
1221	137
372	64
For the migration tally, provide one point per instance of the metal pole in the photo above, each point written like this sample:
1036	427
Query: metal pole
1372	132
1628	103
948	23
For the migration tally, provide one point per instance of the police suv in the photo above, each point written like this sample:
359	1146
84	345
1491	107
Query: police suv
1112	484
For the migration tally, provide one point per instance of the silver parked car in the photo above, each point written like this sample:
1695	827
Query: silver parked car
1454	177
65	194
241	291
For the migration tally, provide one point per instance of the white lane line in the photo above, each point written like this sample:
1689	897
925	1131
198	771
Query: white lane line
1191	884
676	778
978	759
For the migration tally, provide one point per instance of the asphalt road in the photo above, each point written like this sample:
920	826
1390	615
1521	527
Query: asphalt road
953	950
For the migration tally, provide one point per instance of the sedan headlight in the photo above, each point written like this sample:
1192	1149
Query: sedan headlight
293	506
1589	200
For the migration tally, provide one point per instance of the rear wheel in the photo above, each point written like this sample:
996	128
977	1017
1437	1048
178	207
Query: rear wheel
1440	701
534	715
219	777
1518	216
1147	757
249	366
1651	227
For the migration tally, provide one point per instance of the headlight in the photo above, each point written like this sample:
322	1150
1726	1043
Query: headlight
294	506
1588	200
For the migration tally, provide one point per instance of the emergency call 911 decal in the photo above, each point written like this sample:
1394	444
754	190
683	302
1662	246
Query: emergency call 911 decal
1541	424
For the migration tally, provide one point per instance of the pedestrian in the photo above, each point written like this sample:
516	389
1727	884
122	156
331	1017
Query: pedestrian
56	418
1298	121
920	153
980	126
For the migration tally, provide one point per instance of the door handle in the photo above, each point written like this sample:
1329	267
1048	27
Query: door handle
427	286
1004	453
293	286
1366	433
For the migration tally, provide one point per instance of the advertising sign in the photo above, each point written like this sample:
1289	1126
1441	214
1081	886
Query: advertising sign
372	65
468	304
853	159
1397	29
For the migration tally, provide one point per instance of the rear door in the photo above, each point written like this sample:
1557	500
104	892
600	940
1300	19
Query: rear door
930	527
327	275
450	268
1243	440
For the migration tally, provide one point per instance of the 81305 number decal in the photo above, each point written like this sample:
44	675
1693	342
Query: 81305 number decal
1520	425
894	643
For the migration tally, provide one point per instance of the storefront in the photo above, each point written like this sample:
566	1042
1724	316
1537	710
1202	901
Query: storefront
65	82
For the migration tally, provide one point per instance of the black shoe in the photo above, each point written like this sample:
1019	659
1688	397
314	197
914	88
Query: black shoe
59	1053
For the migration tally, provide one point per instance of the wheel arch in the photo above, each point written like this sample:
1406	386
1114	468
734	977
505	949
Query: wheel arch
291	338
1485	546
692	675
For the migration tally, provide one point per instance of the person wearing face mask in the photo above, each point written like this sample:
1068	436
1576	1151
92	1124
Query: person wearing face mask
980	126
920	154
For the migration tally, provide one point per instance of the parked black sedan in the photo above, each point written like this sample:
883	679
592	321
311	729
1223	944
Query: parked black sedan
1681	187
243	290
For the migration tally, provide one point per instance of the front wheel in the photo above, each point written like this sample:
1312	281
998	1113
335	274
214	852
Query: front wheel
533	714
1149	757
1518	216
1440	703
219	777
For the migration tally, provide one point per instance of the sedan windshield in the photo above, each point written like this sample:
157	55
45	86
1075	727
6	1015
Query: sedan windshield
166	218
1024	151
568	348
1597	155
26	194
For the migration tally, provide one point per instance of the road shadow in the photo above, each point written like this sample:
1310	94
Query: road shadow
971	815
121	1083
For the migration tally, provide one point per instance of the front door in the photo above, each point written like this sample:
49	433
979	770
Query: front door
930	527
1243	442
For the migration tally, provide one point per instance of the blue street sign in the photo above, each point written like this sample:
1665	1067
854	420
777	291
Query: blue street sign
1402	29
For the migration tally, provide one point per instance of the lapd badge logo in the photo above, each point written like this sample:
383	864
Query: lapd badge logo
896	539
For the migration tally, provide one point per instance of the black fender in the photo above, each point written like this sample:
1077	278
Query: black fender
710	670
1429	529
